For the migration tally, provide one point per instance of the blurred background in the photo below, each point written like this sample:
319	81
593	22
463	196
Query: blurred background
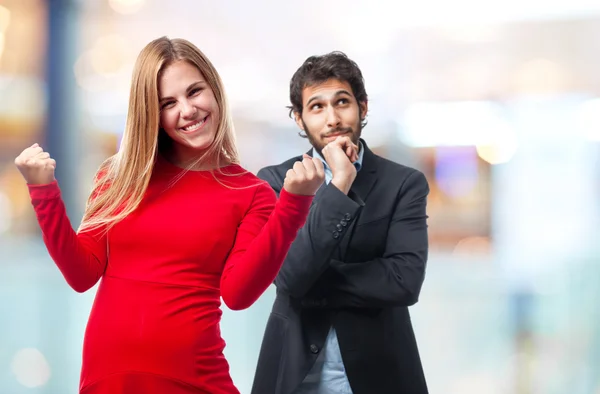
498	103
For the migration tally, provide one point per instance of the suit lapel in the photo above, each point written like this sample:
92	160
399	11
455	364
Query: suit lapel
362	187
363	184
367	176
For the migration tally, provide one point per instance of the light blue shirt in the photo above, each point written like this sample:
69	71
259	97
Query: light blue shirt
328	375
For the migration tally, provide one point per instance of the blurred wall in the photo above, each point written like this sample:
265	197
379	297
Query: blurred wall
498	104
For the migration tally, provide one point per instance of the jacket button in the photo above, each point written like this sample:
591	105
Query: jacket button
347	216
339	227
336	235
343	223
310	302
314	349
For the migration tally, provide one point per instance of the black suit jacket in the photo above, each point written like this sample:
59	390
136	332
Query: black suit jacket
357	264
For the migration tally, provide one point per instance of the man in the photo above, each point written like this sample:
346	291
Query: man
340	323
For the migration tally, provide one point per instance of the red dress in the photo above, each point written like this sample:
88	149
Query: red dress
154	324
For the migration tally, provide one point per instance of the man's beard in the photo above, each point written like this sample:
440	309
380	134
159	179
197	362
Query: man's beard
353	133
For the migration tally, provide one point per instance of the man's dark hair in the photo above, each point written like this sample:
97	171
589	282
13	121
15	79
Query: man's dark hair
318	69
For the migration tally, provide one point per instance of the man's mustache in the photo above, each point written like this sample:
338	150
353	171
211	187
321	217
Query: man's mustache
338	130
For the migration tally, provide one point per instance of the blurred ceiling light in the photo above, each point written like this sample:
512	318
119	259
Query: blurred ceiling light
467	123
456	171
500	148
541	76
4	18
108	54
588	119
30	367
126	6
106	66
497	154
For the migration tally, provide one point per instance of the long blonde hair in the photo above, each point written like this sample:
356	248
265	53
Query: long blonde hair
123	179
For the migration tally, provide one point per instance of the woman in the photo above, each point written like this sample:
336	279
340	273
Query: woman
173	224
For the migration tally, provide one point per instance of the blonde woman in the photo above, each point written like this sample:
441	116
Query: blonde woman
173	225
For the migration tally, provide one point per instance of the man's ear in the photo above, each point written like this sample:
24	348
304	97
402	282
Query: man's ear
298	119
364	109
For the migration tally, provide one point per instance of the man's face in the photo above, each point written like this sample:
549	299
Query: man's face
329	110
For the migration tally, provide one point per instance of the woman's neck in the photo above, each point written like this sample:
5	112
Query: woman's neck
189	160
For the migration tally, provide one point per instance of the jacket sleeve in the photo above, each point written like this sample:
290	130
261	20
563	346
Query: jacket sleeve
309	254
394	279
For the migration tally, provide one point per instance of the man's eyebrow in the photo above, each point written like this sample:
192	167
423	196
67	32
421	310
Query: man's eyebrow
338	93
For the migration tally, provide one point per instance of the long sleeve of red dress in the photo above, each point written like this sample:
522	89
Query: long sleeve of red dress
264	235
81	258
164	269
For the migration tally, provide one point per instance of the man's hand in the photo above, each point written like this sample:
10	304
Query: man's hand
340	154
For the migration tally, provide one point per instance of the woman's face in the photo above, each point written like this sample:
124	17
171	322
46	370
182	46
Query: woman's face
189	112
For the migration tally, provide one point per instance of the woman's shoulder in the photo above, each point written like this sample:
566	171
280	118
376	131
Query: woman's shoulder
240	175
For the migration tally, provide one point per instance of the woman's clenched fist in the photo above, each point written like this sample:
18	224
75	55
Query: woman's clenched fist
36	166
306	176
